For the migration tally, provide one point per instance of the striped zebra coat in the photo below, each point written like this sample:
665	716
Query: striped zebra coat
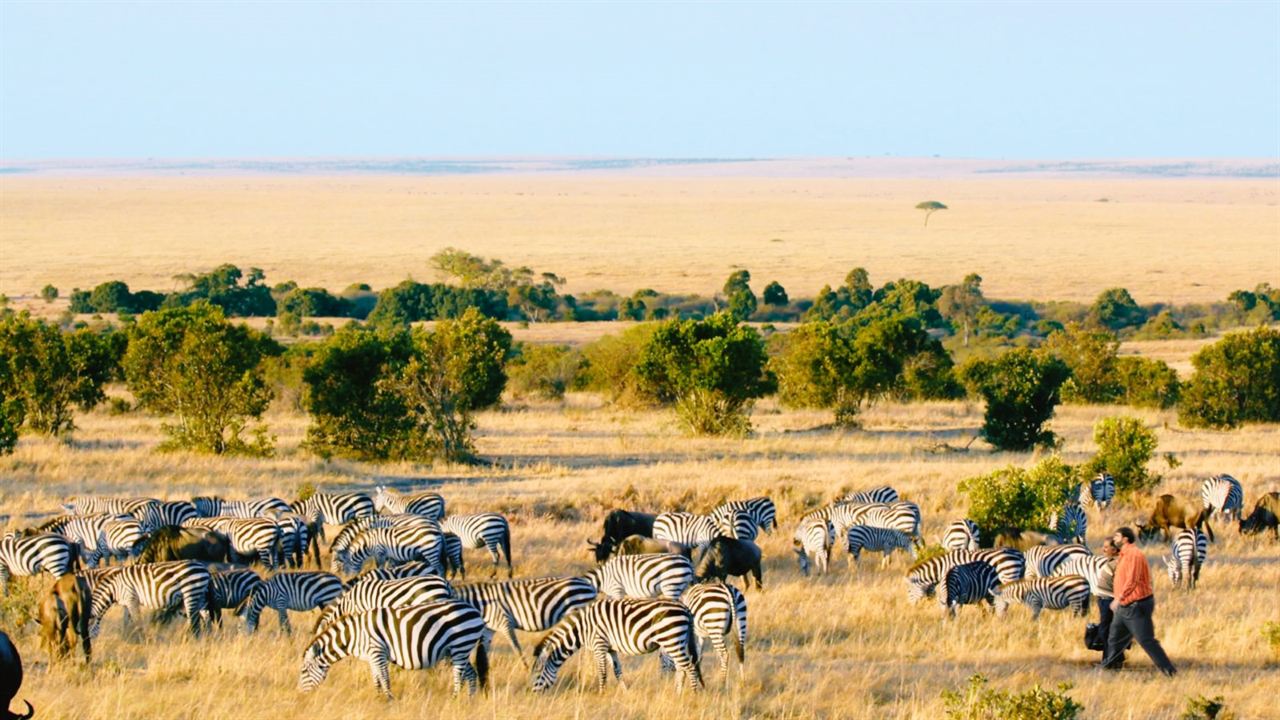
719	610
609	628
531	605
813	539
373	594
167	512
22	556
299	591
1223	495
877	539
844	515
967	584
99	536
1053	593
155	586
1189	550
878	495
484	530
923	577
1043	559
1098	570
213	506
253	538
333	508
902	516
427	504
101	504
689	528
643	576
961	535
1098	492
229	589
394	572
339	548
1070	523
413	638
296	536
761	509
395	545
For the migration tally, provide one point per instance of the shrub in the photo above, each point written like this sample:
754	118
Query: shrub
1125	446
10	419
48	371
1236	381
775	295
1147	383
1271	632
1021	389
1015	498
1116	310
710	369
352	414
1202	708
607	365
979	702
544	371
737	291
192	364
49	293
1091	357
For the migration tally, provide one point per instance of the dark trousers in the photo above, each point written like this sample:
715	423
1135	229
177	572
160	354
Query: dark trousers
1105	616
1133	622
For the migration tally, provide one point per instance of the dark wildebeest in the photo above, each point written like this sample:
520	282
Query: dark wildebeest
726	556
1265	515
10	679
181	543
641	545
1170	512
64	615
619	525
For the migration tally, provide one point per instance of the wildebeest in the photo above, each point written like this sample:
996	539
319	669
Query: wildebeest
1170	512
641	545
10	679
1266	514
619	525
64	616
181	543
725	556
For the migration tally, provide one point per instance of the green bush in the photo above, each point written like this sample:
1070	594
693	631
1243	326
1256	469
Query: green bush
1125	446
1236	381
1016	498
979	702
775	295
1203	708
737	291
11	412
1091	356
48	371
1116	310
1021	388
607	365
1146	383
190	363
49	293
544	371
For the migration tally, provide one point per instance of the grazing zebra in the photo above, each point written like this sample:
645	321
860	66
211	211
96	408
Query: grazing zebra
1070	523
844	515
901	516
393	572
923	577
413	638
485	530
100	504
719	610
167	512
877	539
338	549
1043	559
531	605
295	590
396	545
879	495
761	509
967	584
156	586
27	555
1054	593
1190	548
250	537
295	538
813	539
333	508
629	627
229	589
427	504
88	532
738	524
373	594
961	535
643	576
688	528
1098	492
1223	495
121	538
1096	569
213	506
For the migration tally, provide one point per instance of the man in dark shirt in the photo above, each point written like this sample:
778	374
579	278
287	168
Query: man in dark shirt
1133	605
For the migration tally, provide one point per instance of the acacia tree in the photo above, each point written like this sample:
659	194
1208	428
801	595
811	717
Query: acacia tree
959	304
930	207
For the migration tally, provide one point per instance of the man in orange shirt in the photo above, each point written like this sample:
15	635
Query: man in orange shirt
1133	606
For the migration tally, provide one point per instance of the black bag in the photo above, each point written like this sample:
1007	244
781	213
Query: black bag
1093	638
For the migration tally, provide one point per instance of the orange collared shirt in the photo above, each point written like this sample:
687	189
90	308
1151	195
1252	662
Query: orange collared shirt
1133	575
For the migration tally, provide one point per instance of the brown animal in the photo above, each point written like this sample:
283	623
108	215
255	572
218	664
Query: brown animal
1170	512
1266	514
1022	540
64	616
181	543
10	679
725	556
641	545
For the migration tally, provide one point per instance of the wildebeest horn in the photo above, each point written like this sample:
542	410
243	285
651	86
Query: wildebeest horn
30	711
592	543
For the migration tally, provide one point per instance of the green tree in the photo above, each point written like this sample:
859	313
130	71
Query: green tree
1116	310
858	283
959	304
1125	446
354	414
737	291
775	295
904	297
1021	388
49	371
930	207
1236	381
608	362
1015	498
710	369
49	293
544	371
205	373
1091	357
1147	383
11	412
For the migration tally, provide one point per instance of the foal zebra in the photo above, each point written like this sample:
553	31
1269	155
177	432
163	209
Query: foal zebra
1098	492
877	539
155	586
961	535
629	627
485	530
298	590
413	638
1055	593
394	544
531	605
761	509
373	594
1043	559
967	584
22	556
719	610
643	576
427	504
813	538
1070	523
1189	550
1223	495
339	548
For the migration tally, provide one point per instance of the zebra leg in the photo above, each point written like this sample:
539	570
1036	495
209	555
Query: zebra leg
722	652
284	620
601	652
195	607
497	560
666	664
4	578
509	628
381	674
463	671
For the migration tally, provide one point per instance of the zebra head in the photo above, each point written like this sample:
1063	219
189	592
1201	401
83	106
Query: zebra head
315	666
917	591
554	649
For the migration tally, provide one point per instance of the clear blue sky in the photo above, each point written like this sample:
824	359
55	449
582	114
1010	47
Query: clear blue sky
1070	80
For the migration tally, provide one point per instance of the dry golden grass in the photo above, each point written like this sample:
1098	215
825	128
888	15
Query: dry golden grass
845	645
1177	240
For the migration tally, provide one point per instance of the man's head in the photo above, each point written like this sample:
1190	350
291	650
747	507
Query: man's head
1123	536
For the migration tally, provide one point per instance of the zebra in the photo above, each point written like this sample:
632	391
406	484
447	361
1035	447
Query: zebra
761	509
966	584
166	512
412	637
961	535
252	537
295	538
229	589
1042	559
924	576
338	549
531	604
878	539
876	496
213	506
813	539
844	515
27	555
628	626
295	590
719	610
1189	551
121	538
1098	492
373	594
427	504
394	544
415	568
100	504
1093	568
738	524
156	586
1055	593
643	576
485	530
333	508
1223	495
688	528
1069	523
87	532
901	516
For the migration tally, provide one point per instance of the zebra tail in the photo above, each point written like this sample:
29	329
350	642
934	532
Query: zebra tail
482	663
506	548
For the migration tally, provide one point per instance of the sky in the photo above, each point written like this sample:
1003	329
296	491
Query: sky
723	80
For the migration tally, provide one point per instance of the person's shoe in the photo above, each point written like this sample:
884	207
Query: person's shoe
1170	672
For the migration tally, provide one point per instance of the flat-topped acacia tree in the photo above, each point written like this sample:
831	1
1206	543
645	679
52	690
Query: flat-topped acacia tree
930	207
